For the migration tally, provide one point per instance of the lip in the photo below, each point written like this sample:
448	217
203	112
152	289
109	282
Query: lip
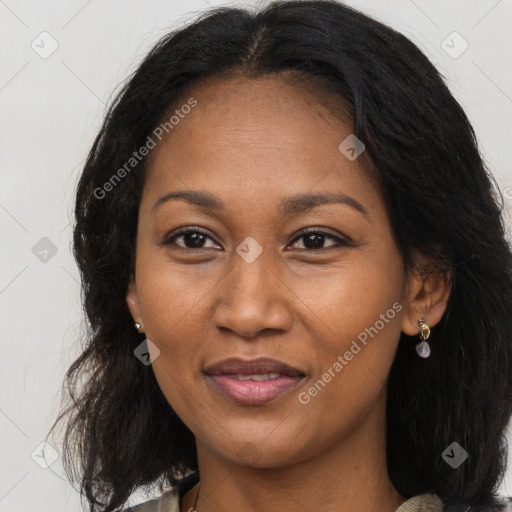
252	366
223	377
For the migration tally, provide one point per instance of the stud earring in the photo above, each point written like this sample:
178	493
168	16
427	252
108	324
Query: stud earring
137	326
423	348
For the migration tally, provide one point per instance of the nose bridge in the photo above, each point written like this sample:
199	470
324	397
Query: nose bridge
252	269
252	298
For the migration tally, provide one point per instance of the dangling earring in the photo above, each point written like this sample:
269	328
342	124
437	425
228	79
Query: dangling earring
423	348
137	326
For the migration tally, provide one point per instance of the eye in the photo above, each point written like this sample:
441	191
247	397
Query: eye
314	239
193	238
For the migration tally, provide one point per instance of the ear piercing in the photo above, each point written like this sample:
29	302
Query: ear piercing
137	326
423	348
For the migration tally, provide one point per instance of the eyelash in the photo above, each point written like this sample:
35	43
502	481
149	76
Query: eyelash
341	242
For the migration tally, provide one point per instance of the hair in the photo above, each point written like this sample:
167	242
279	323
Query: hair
121	433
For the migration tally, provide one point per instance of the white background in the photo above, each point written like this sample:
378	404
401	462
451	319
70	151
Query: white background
50	111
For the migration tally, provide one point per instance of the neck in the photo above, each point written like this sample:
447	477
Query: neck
350	474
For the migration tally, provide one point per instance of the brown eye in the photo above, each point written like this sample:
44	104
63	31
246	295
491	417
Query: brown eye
314	240
193	238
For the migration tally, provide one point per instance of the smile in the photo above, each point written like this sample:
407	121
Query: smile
253	389
252	381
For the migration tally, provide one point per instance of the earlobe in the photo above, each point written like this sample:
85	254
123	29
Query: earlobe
427	299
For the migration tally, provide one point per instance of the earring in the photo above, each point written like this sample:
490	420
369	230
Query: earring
423	348
137	326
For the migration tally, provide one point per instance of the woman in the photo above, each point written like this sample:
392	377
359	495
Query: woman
296	276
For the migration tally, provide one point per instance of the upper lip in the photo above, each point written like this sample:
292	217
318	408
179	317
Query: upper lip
252	367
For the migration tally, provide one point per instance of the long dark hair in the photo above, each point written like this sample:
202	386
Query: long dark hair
121	433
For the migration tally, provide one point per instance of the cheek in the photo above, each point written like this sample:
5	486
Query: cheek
344	299
176	323
354	313
172	296
173	304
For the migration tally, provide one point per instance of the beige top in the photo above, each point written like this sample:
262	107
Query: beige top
170	502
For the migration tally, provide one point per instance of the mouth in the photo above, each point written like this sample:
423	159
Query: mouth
253	382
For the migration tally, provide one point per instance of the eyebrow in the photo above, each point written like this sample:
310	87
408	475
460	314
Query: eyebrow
288	205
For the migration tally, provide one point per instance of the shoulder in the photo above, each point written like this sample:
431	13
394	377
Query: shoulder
170	500
432	503
422	503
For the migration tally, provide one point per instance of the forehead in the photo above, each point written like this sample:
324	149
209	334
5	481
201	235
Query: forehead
256	136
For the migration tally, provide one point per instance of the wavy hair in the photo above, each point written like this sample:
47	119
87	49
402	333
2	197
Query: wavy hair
120	432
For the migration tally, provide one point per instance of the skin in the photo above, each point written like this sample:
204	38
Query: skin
251	143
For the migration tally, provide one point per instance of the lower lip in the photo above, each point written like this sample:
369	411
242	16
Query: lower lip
251	392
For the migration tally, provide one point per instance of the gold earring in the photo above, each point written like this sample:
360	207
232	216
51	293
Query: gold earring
423	348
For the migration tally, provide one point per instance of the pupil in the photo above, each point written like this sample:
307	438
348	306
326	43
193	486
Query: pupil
197	237
317	241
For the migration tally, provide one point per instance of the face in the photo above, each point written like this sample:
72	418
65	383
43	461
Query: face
245	282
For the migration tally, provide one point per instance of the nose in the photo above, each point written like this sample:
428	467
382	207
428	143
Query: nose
253	298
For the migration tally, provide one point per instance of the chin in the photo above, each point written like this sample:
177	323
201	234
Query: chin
265	454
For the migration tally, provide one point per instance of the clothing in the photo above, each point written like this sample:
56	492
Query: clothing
170	500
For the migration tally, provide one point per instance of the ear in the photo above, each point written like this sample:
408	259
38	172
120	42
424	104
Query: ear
132	300
426	296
